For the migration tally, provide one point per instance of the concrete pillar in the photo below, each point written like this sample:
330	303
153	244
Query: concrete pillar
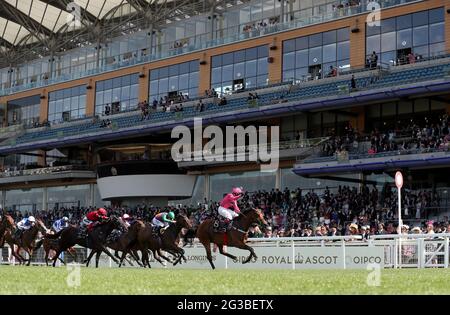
207	188
45	199
91	195
3	198
278	179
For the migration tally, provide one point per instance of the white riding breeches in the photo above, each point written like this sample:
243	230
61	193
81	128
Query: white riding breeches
227	213
156	222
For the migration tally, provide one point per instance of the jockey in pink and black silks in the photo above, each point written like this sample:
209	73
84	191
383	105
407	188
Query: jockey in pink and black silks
229	208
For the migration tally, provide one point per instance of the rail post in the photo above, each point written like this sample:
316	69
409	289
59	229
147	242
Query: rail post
293	254
446	243
343	255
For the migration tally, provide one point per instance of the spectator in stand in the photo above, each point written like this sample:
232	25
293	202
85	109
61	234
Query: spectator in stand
353	83
107	109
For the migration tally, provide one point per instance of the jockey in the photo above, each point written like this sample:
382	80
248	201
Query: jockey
25	225
163	220
60	224
93	218
230	201
127	219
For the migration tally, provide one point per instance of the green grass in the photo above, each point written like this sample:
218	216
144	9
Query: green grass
42	280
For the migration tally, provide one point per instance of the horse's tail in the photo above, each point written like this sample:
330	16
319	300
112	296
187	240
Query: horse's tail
38	244
54	236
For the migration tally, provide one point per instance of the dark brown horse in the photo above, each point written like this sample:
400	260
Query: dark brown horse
236	237
52	245
95	239
7	223
26	241
126	241
168	241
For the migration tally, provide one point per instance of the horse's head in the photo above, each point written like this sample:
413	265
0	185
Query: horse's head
183	221
40	226
7	222
255	216
118	223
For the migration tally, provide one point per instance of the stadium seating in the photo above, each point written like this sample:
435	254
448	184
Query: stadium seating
310	90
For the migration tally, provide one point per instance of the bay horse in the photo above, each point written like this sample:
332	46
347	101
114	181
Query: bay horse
7	222
27	240
95	239
126	241
167	241
52	245
236	237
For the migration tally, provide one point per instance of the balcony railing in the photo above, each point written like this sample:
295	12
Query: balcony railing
196	43
44	171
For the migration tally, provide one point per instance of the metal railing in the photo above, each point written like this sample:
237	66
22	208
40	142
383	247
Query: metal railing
44	171
196	43
337	252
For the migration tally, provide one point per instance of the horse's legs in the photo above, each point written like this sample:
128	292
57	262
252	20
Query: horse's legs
221	250
207	245
88	260
97	258
106	251
163	256
251	250
47	252
30	254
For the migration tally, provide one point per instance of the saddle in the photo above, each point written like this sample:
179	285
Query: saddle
114	236
221	225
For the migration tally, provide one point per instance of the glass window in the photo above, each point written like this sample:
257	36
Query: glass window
301	58
436	33
239	70
329	53
343	50
194	66
343	34
263	51
315	55
404	39
420	35
315	40
373	44
184	68
289	61
404	21
216	61
387	25
251	68
216	75
301	43
388	41
227	73
288	45
251	53
436	15
239	56
262	66
227	59
420	18
329	37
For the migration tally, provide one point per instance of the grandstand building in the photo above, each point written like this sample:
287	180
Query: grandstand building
351	84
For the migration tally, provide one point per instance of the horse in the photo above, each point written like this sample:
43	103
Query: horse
95	239
167	241
52	245
236	237
125	241
26	241
7	222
